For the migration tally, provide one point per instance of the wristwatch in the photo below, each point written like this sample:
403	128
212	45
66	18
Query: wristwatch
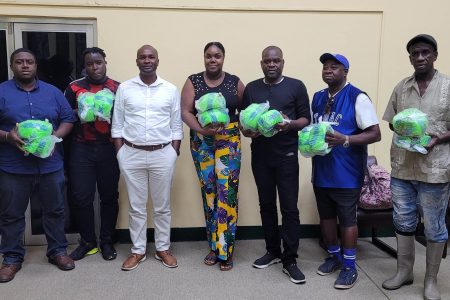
346	144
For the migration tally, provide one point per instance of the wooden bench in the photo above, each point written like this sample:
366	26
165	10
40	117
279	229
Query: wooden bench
376	220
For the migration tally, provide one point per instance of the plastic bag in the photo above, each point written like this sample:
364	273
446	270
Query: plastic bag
214	117
267	122
311	140
86	107
410	122
413	144
103	103
42	147
33	129
210	101
249	117
376	190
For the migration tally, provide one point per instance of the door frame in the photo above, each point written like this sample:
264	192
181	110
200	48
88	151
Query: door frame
7	27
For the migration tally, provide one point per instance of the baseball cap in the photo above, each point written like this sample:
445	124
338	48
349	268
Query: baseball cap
424	38
337	57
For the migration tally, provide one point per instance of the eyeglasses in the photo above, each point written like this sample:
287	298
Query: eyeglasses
328	106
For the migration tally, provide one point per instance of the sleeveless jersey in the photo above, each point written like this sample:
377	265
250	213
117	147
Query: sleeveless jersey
342	167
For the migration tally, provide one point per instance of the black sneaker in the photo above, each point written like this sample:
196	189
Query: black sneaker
330	265
346	279
294	273
265	261
108	251
84	249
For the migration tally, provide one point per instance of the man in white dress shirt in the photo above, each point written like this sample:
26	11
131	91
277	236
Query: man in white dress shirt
147	131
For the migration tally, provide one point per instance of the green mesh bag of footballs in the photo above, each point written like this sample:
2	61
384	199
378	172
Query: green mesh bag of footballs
311	139
42	147
413	144
210	101
103	103
410	122
86	110
214	117
267	122
33	129
249	117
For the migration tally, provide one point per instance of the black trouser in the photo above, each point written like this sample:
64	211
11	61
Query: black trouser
90	166
272	174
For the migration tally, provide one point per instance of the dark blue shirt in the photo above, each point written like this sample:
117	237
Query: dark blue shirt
16	105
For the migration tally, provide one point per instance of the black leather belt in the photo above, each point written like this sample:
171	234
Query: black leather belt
146	147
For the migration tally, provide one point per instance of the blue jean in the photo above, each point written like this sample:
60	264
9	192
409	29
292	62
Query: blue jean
93	165
15	193
412	199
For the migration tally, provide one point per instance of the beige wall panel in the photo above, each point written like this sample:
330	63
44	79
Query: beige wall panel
372	34
180	50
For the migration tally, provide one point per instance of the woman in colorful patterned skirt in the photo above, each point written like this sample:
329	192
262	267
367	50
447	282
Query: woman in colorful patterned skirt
216	151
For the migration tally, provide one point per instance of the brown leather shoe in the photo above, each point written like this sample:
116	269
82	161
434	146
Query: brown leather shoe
7	272
133	261
166	258
63	262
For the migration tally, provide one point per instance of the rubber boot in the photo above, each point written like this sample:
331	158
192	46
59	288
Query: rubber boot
434	257
405	263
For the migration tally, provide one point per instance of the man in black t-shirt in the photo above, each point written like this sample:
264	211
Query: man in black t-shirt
275	161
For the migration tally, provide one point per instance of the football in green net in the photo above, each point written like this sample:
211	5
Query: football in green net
42	147
103	103
210	101
267	122
33	129
311	139
214	117
410	122
86	104
249	117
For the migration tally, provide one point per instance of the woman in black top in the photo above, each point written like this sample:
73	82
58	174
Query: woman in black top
216	153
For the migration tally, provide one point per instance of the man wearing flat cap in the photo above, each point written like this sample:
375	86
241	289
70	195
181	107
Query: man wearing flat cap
338	176
420	183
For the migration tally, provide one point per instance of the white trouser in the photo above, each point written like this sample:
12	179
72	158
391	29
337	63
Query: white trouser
144	170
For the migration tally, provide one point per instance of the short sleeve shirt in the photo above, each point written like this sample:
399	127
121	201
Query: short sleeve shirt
99	131
433	167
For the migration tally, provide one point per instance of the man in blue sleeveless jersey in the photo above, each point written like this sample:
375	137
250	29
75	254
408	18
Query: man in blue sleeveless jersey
338	176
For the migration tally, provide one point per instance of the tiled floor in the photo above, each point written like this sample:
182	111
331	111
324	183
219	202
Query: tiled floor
94	278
